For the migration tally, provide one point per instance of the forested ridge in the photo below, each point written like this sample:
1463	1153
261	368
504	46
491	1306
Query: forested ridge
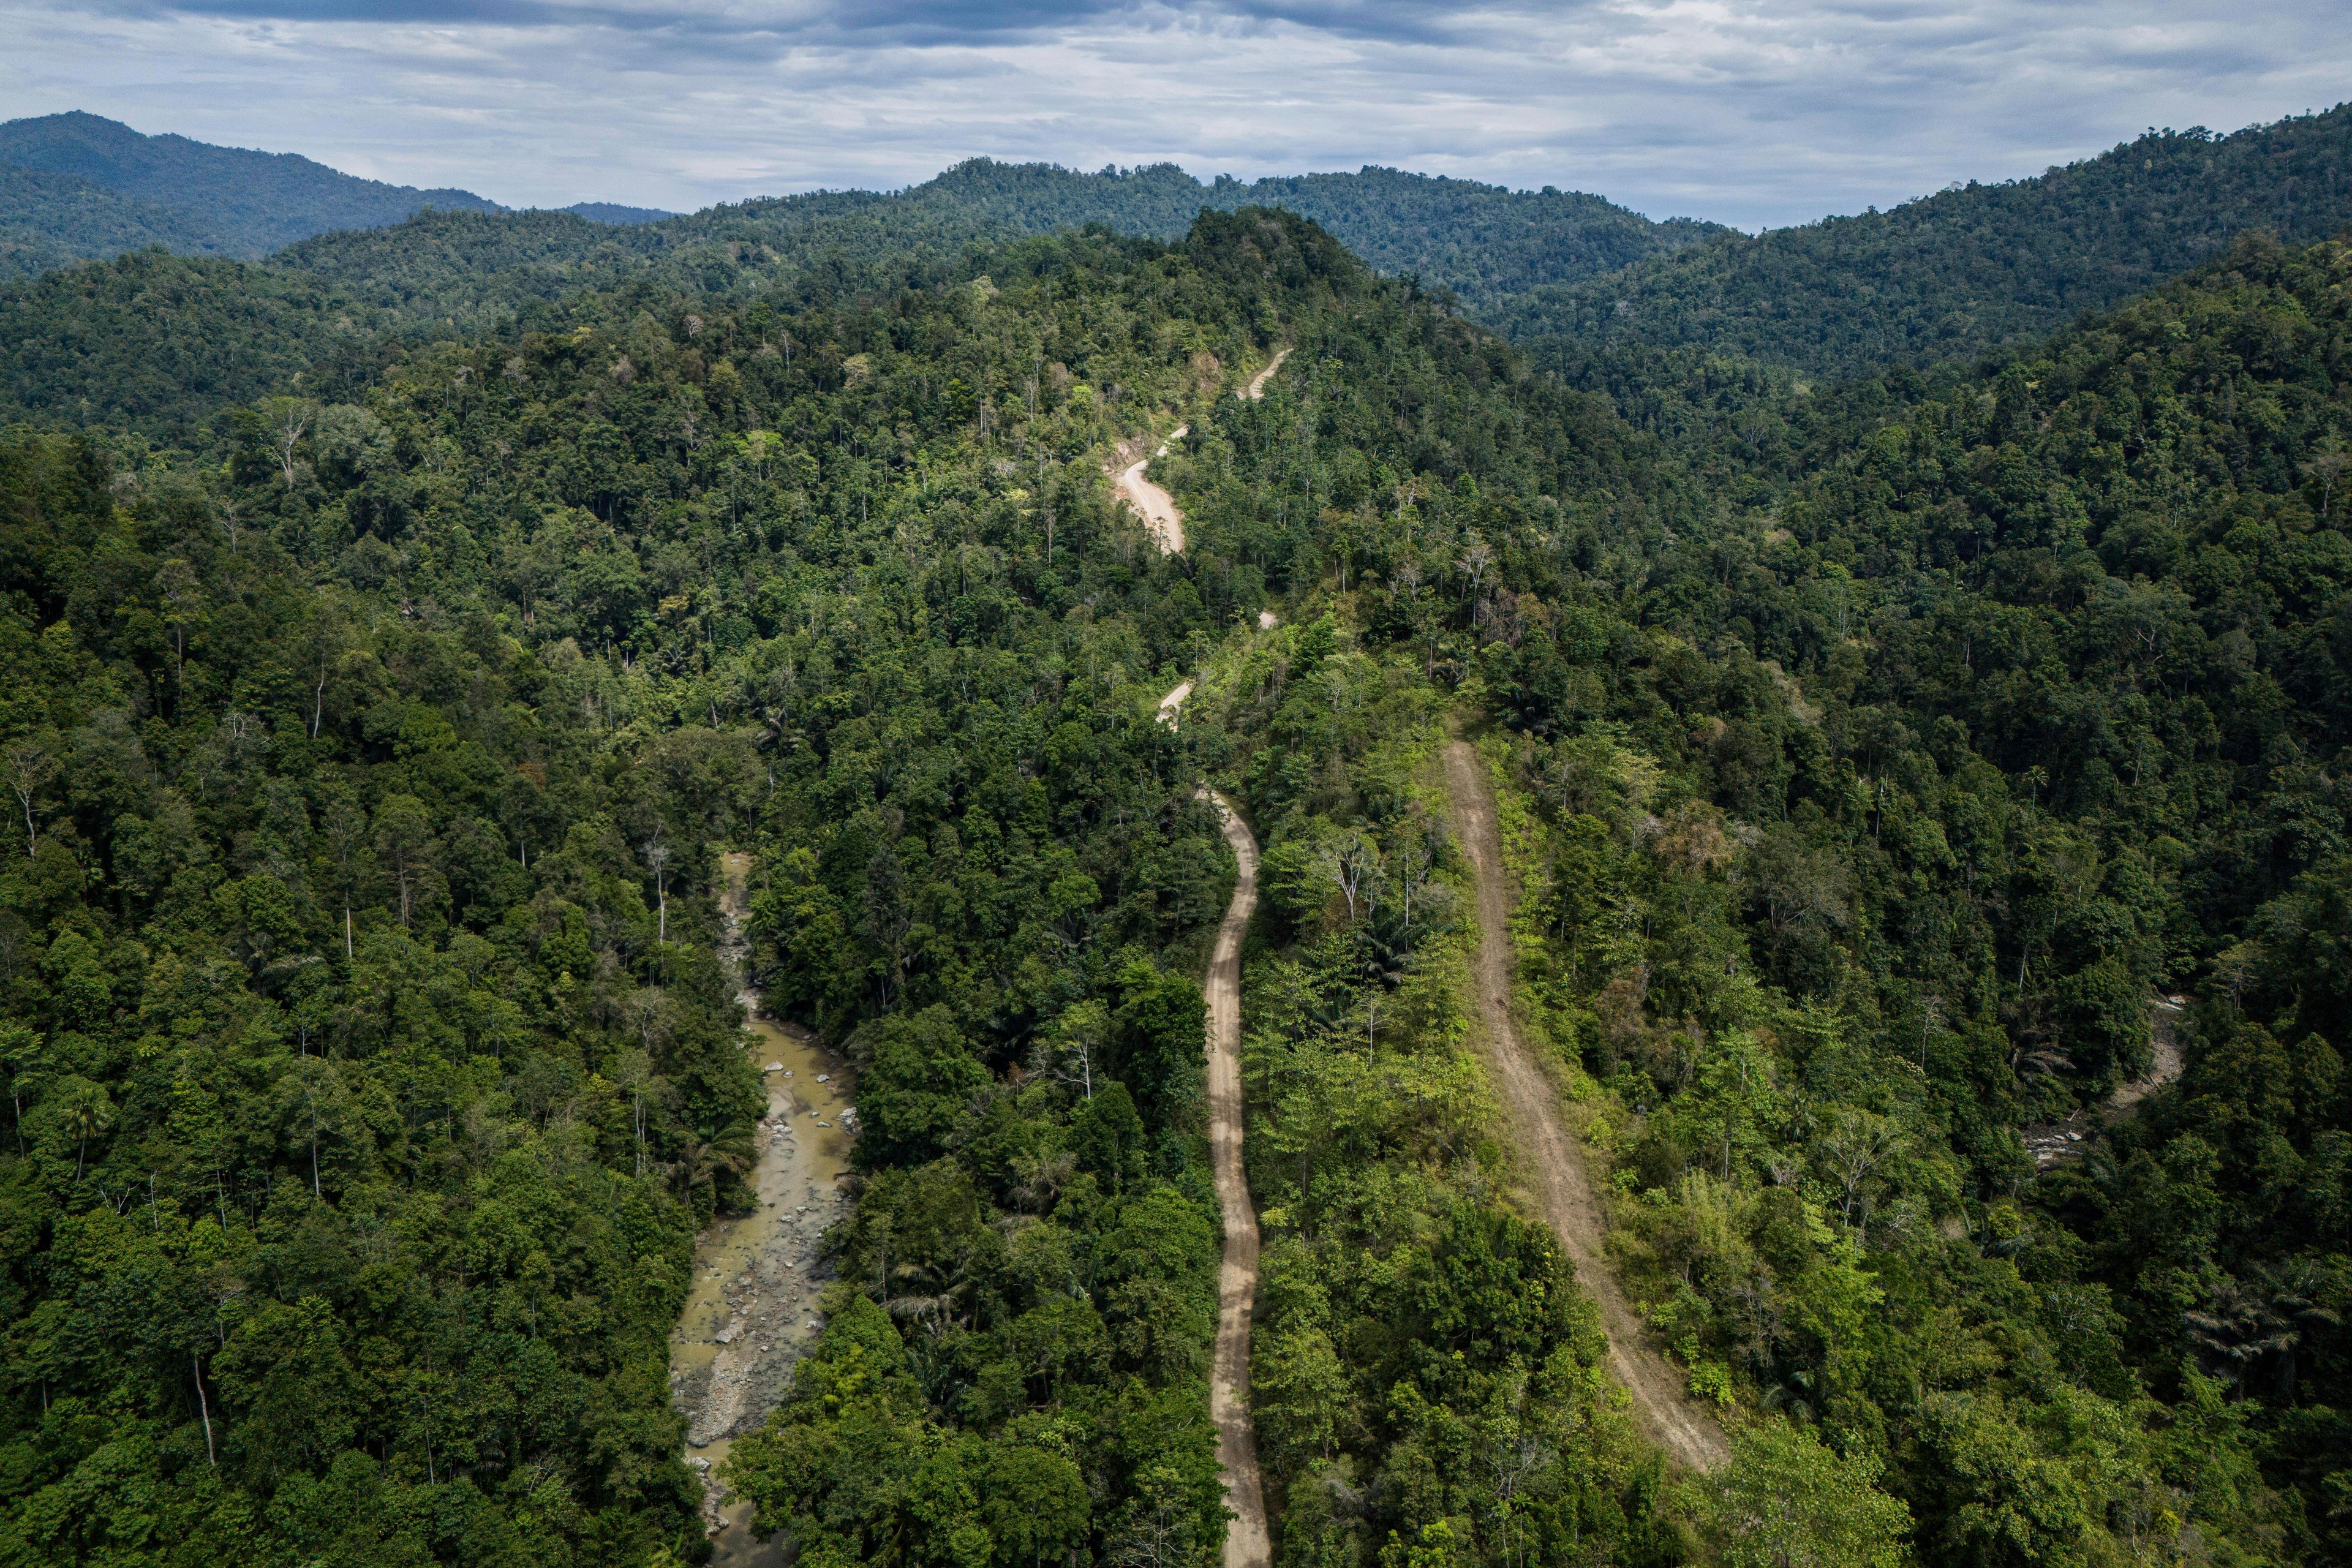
1972	269
179	194
76	187
1872	755
1862	818
84	187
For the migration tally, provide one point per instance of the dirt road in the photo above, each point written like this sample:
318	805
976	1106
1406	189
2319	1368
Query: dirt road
1256	388
1155	505
1554	1164
1246	1544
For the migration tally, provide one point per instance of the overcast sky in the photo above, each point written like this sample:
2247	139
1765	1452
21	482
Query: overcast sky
1745	112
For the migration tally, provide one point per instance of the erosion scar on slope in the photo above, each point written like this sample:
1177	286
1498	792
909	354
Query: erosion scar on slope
1555	1167
1246	1544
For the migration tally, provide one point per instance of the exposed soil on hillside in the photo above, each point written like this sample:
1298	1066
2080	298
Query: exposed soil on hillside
1553	1164
1154	505
1247	1541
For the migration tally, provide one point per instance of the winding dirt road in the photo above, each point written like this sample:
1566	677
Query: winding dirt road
1157	506
1246	1542
1555	1167
1154	504
1256	388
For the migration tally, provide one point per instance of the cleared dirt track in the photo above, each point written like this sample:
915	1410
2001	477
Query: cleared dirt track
1256	388
1245	1538
1247	1543
1554	1164
1154	505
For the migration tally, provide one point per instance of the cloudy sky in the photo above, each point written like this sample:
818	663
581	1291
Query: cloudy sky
1744	111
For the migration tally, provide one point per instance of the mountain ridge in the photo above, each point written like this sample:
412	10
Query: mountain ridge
78	186
1968	267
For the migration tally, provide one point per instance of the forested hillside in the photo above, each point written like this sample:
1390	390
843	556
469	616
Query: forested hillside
450	256
1862	820
49	221
1486	244
1973	268
361	1118
1875	759
249	203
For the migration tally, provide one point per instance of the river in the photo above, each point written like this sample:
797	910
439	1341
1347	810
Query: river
752	1309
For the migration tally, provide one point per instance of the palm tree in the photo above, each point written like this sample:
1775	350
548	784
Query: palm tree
2268	1313
728	1152
88	1112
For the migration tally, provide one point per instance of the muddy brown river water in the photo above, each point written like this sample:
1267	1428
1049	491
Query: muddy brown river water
752	1306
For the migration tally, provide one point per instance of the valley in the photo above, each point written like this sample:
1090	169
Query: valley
807	882
754	1300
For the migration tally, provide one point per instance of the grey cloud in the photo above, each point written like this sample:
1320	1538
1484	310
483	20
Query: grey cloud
1752	111
916	21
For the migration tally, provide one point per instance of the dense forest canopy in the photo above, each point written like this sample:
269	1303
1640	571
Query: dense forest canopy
403	626
49	221
1865	820
84	188
1973	268
354	1184
245	203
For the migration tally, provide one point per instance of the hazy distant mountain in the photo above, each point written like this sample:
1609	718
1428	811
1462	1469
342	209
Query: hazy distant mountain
1485	243
224	199
614	213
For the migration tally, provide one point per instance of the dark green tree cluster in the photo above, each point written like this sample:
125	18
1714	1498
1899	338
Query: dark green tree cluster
55	220
359	1122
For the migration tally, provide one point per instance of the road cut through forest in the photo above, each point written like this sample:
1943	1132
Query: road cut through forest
1247	1541
1552	1163
1153	503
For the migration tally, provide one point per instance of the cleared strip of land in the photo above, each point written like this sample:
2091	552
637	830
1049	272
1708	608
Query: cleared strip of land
1554	1165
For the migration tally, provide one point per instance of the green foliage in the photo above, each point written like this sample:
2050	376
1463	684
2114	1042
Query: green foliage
1877	760
1864	818
227	200
1787	1501
369	1068
55	220
1973	268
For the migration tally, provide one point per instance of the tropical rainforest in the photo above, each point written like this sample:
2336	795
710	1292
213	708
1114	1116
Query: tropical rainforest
1917	749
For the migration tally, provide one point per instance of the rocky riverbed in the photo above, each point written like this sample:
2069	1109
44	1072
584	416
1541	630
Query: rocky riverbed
752	1306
